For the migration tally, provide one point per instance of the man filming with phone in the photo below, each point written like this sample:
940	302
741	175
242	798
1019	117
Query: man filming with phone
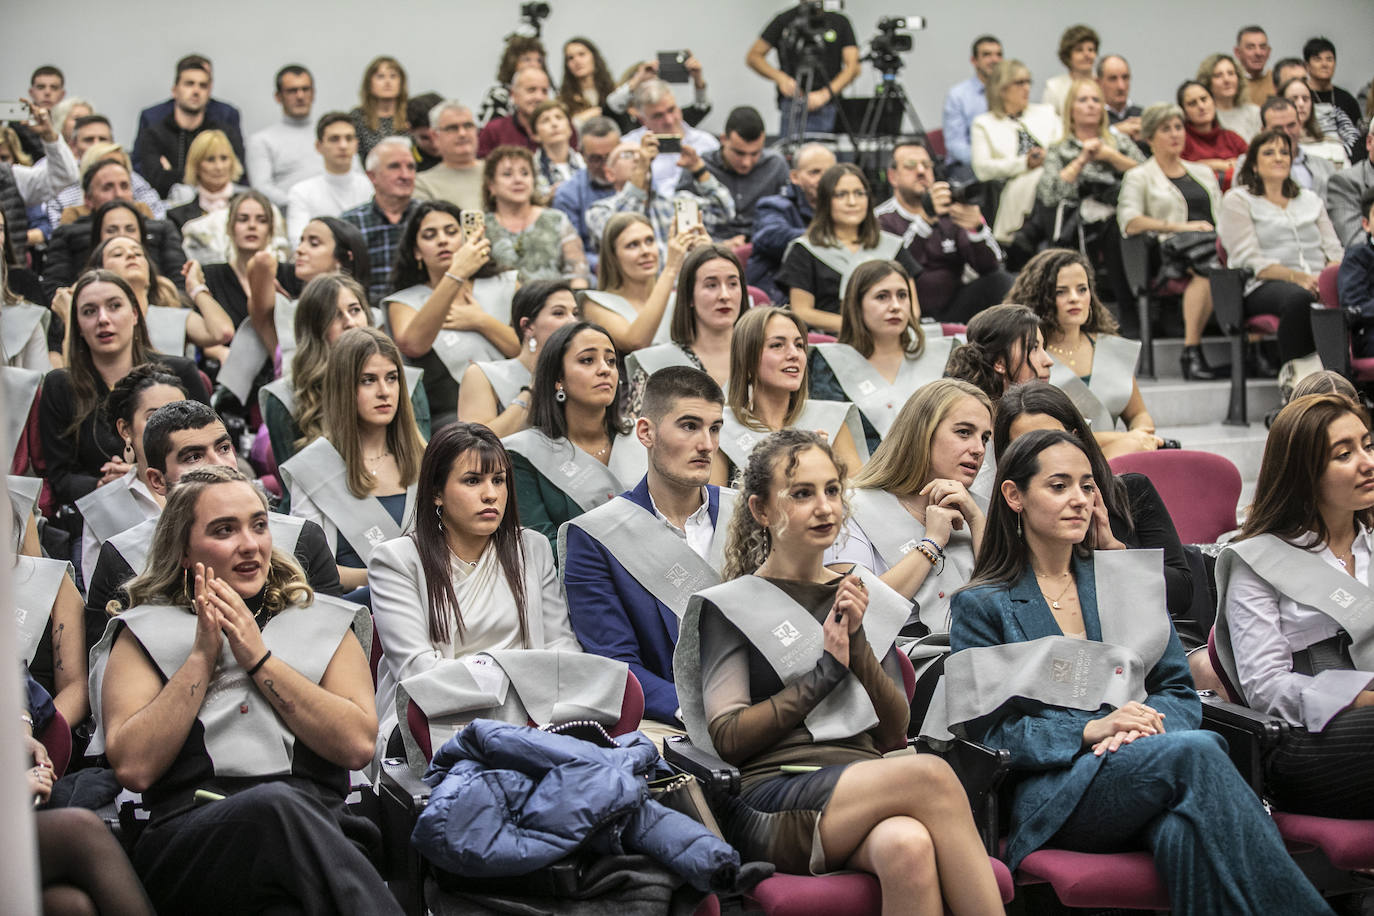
944	230
24	186
629	170
679	146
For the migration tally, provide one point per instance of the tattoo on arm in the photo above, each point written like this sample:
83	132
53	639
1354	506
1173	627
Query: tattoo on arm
57	646
286	705
195	687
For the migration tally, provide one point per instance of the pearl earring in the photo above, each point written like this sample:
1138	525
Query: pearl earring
533	346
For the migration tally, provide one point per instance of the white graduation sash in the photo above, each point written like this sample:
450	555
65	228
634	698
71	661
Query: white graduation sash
545	686
320	473
36	582
659	559
18	321
112	508
625	309
983	484
455	349
738	440
588	482
1304	577
167	329
133	545
284	391
876	398
244	736
24	493
1113	379
506	377
247	354
792	641
894	534
1073	673
651	359
844	262
494	293
19	388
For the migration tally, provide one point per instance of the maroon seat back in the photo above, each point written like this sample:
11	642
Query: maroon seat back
951	328
1229	692
815	337
1327	286
758	297
936	141
1199	489
56	739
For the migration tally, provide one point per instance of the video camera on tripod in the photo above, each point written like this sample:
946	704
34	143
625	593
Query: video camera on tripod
892	41
532	16
803	40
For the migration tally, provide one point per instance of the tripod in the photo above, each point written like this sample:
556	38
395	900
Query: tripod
889	101
809	67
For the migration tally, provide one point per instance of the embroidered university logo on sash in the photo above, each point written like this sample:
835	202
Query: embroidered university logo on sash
1061	669
676	575
786	633
374	535
909	546
1343	597
867	387
568	469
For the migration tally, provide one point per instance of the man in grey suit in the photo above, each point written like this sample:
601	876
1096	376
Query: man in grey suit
1345	190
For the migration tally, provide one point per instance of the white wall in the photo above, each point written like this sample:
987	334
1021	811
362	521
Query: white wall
454	47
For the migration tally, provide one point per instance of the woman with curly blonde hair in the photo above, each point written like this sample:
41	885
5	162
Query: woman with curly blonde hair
231	679
788	670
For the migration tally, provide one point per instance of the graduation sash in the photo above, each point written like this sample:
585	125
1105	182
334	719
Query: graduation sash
876	398
651	359
24	493
112	508
18	321
133	545
622	307
455	349
167	329
843	261
506	377
1113	379
36	582
659	559
792	641
586	481
1074	673
738	440
19	387
319	472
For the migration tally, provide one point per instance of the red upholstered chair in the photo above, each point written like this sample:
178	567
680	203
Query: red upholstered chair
743	252
952	329
1119	881
815	337
758	297
936	139
1331	333
1199	489
1328	849
56	739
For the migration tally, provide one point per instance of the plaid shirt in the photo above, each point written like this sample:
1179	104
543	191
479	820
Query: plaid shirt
713	199
383	237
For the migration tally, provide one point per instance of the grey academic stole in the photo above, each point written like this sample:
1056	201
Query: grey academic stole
622	307
455	349
1073	673
588	482
892	531
506	377
248	354
133	545
843	261
244	736
650	551
1113	380
112	508
1304	577
167	329
24	493
737	440
876	398
546	686
651	359
320	473
285	392
17	324
792	641
35	582
19	388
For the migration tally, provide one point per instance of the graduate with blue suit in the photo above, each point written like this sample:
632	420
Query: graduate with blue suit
1096	703
630	565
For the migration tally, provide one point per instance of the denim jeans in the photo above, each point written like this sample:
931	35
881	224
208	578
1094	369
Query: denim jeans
822	120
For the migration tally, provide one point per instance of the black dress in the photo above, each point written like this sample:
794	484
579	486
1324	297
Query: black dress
802	270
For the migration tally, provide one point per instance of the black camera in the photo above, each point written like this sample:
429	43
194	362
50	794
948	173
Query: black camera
960	192
885	48
534	11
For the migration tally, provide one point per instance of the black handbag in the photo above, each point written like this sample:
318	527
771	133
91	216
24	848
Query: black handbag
1184	253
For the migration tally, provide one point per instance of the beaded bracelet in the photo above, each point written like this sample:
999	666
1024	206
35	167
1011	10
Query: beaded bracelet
940	551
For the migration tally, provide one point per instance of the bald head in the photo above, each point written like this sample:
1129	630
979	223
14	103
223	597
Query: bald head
808	165
528	87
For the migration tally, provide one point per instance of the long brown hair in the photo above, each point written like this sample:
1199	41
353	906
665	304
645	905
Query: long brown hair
547	413
748	543
609	274
1296	455
315	312
369	104
746	347
822	228
854	332
992	334
682	328
346	360
901	464
1036	284
568	88
447	446
80	366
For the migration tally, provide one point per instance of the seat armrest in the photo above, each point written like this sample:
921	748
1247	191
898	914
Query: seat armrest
1249	735
401	784
981	771
718	778
1228	299
1135	261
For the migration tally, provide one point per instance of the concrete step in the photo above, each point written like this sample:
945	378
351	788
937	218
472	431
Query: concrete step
1168	350
1176	403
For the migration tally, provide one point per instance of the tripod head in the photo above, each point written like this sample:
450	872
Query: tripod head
886	48
803	40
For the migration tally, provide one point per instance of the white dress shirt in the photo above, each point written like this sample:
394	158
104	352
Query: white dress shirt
699	531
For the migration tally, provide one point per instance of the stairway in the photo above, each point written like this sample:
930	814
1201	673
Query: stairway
1192	412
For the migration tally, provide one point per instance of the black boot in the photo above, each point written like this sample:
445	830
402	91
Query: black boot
1195	367
1259	363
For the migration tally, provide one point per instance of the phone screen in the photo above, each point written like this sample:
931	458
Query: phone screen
669	143
13	110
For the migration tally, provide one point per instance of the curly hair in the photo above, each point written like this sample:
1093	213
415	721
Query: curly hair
993	334
771	464
1036	284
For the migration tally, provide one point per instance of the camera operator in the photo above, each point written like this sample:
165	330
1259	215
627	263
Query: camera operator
827	32
942	236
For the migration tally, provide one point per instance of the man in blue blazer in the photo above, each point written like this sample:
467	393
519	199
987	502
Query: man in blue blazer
630	565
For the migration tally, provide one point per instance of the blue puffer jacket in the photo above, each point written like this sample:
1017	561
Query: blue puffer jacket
510	799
